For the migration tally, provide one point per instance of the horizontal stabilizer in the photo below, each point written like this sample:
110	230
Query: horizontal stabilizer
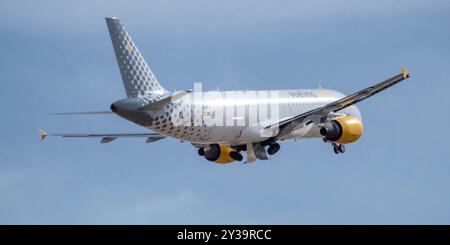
106	138
82	113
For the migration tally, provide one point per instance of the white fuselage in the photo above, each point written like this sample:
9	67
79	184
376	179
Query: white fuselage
239	117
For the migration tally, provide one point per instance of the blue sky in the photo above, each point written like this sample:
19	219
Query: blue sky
57	56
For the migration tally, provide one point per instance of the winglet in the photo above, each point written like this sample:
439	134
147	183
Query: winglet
405	73
43	134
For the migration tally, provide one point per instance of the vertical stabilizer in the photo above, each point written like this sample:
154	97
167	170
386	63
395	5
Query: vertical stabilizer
137	77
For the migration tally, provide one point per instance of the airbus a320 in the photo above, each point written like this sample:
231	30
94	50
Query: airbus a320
224	125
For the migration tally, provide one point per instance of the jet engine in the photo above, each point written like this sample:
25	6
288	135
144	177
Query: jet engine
343	130
220	153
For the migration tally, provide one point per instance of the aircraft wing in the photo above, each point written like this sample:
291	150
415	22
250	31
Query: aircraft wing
287	125
106	138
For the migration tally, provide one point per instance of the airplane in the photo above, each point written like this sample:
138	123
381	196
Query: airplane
223	125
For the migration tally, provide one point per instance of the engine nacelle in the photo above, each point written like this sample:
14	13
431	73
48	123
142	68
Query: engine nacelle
343	130
219	153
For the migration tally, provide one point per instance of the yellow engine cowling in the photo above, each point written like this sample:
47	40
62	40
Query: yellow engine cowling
352	129
224	156
219	153
343	130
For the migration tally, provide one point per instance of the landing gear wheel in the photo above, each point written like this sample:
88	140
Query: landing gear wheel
336	149
273	148
201	151
341	148
236	156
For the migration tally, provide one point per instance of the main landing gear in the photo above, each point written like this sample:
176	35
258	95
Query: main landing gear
273	148
201	151
236	156
338	148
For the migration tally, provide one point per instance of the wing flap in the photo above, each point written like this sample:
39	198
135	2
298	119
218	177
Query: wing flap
153	139
107	139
